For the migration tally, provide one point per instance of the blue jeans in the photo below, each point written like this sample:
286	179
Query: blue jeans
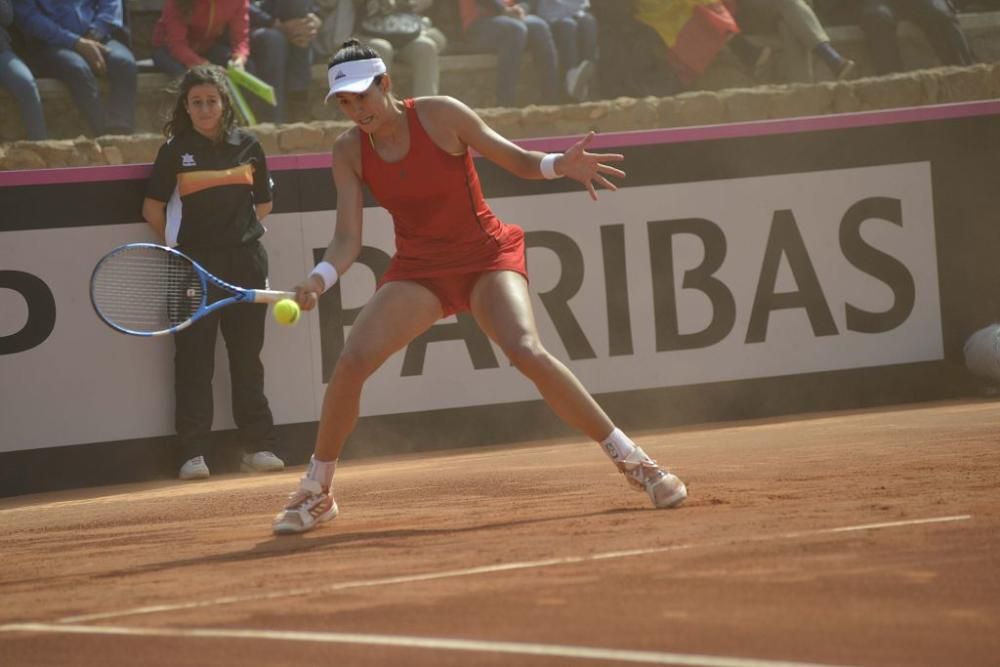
937	19
118	115
576	39
280	63
219	54
508	37
17	78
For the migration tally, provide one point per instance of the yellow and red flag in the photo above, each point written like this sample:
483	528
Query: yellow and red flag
693	30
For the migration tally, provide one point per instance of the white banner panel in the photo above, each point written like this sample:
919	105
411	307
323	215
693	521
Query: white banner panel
744	210
796	254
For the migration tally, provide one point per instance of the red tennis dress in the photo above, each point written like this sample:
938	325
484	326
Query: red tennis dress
446	233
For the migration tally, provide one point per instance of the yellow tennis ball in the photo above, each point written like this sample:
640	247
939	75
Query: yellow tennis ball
286	311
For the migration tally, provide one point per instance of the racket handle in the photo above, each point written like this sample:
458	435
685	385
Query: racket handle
269	295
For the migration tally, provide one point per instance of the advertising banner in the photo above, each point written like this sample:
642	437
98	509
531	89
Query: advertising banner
739	271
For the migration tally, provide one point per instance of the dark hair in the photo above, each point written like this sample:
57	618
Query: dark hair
213	75
353	49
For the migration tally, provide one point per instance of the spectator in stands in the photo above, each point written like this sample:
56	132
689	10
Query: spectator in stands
695	31
17	78
801	32
976	5
505	28
207	194
282	33
634	60
336	28
937	18
80	42
574	30
198	32
420	49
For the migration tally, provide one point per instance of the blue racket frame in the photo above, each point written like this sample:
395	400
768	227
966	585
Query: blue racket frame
239	294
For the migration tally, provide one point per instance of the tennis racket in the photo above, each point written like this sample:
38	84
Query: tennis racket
145	289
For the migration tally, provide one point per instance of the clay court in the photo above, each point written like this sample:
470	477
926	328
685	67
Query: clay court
863	538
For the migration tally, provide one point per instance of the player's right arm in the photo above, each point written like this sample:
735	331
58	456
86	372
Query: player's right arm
346	244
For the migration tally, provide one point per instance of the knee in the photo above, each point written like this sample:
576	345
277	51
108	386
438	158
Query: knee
268	38
514	35
565	26
353	366
384	49
423	48
938	11
79	70
527	355
538	29
123	64
23	85
878	17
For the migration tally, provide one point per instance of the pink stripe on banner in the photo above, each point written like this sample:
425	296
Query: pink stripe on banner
551	144
769	127
127	172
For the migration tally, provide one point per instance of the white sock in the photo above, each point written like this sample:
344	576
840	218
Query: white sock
618	446
321	471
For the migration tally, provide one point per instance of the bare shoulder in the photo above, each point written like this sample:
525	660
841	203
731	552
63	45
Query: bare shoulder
444	108
347	149
450	122
347	142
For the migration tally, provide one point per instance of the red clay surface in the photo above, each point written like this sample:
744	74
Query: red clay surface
750	568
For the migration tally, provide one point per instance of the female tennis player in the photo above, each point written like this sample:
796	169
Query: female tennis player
452	255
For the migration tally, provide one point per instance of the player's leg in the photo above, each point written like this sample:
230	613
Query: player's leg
502	307
398	313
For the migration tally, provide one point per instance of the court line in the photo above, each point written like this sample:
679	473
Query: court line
400	641
485	569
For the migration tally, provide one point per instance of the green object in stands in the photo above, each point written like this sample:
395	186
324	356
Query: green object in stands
255	86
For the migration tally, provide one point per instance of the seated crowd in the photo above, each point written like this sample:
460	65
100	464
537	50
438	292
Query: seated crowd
646	47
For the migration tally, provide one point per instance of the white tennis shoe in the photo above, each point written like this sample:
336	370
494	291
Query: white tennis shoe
262	461
195	468
309	506
664	489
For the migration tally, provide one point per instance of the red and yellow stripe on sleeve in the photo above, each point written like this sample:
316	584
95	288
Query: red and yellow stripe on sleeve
190	182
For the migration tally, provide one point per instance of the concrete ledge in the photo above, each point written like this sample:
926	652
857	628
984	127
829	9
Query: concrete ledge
913	89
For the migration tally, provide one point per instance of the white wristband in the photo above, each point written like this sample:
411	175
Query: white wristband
548	166
326	271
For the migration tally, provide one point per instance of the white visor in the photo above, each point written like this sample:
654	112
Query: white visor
353	76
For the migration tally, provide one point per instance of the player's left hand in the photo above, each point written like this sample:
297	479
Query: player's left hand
589	168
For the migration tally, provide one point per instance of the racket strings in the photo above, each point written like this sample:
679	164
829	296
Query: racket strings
146	289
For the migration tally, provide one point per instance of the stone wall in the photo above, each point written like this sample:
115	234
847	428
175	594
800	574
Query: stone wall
932	86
